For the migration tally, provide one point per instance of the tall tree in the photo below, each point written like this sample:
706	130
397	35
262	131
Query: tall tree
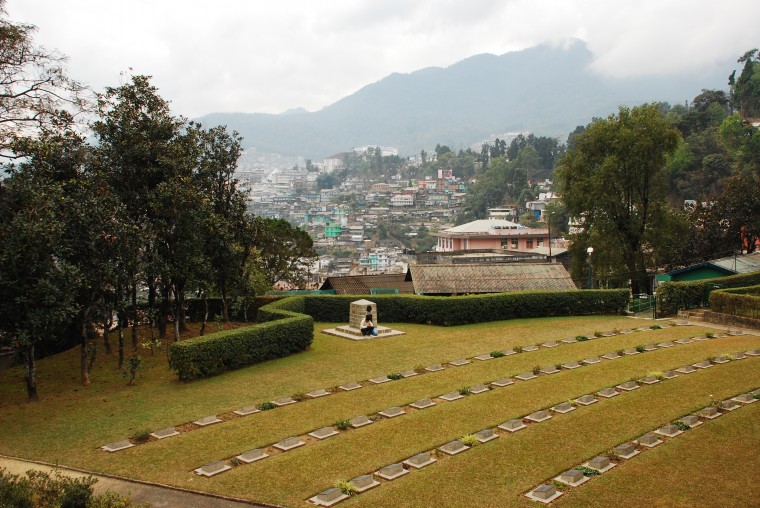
614	178
33	84
36	296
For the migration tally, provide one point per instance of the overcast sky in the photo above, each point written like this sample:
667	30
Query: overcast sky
269	56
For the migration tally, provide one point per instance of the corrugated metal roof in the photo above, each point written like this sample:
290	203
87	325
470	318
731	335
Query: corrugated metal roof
363	284
489	278
746	263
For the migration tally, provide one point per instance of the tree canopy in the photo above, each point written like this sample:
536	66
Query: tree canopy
614	179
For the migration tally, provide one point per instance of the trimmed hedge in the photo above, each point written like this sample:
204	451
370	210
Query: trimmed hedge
743	302
675	296
459	310
287	326
232	349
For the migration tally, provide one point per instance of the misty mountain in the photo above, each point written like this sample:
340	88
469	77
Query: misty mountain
547	90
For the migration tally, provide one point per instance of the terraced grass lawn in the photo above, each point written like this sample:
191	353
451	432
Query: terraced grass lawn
71	422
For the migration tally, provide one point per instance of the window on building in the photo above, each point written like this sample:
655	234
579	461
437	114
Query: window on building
514	243
529	244
540	243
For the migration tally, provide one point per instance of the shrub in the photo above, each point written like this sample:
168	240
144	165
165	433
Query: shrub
395	376
581	338
587	471
517	349
496	354
681	425
469	440
266	406
42	489
346	487
655	327
743	302
640	348
465	390
674	296
342	424
232	349
141	436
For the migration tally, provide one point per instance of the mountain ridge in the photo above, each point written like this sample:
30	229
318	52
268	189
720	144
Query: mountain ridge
546	89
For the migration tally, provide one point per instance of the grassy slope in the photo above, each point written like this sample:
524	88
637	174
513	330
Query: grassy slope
72	422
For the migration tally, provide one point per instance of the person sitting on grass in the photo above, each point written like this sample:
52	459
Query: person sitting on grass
367	327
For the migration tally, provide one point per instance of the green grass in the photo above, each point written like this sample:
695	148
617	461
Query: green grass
71	422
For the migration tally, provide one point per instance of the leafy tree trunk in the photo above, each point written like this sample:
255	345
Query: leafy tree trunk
121	316
134	314
179	299
107	324
30	372
175	316
152	317
202	331
164	309
84	350
225	304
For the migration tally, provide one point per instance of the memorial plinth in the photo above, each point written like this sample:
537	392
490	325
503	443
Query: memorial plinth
358	310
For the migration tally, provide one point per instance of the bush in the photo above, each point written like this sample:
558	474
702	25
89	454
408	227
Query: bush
675	296
287	325
459	310
39	489
232	349
738	302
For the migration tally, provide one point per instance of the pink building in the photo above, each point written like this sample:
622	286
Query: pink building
491	234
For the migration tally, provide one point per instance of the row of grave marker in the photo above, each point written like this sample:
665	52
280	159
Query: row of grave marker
354	385
290	443
334	495
548	491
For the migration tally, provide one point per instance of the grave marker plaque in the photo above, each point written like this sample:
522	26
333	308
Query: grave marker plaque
512	425
451	396
564	407
459	362
486	435
453	447
625	450
691	420
392	412
525	376
252	456
420	460
607	392
392	471
364	482
649	440
539	416
434	368
502	382
246	410
422	403
709	412
117	446
289	443
586	400
213	468
353	385
324	433
476	389
207	420
164	433
572	476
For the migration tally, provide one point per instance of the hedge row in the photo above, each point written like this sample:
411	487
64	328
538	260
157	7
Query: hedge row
232	349
287	326
743	302
458	310
675	296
